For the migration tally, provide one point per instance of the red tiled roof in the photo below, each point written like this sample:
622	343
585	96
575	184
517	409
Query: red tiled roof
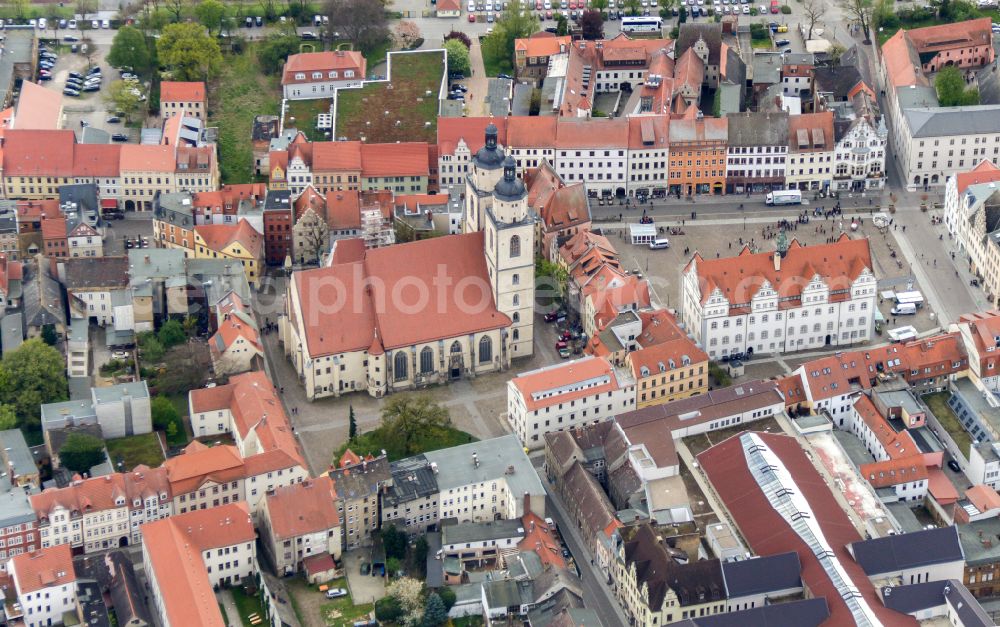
542	44
983	497
664	353
37	108
470	130
403	159
892	472
177	91
539	538
218	237
809	124
739	278
10	270
454	264
336	156
767	532
951	35
44	568
101	493
38	153
97	160
302	508
537	382
308	62
54	228
198	464
146	158
897	444
985	172
174	547
343	210
231	329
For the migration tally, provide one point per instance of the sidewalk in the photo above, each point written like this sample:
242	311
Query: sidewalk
225	598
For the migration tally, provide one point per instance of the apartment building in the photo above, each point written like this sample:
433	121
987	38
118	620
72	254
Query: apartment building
358	482
667	371
44	584
610	156
11	277
811	151
93	285
899	472
834	306
278	221
299	521
186	557
121	410
698	156
411	499
183	98
311	75
970	204
18	523
756	152
931	142
981	338
564	396
102	513
239	242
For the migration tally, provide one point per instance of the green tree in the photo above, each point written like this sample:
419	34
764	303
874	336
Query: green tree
665	8
458	57
171	334
163	412
411	419
210	14
516	22
274	51
420	549
362	22
352	425
190	326
49	335
130	49
188	51
394	542
562	25
20	8
388	610
81	452
462	37
449	597
86	7
123	96
176	7
8	417
600	5
551	278
150	348
633	6
951	90
392	566
435	613
592	24
33	374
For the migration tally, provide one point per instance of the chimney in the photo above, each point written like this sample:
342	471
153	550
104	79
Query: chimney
777	261
475	459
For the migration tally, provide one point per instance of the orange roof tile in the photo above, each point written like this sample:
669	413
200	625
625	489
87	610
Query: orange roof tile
54	228
343	210
535	387
669	354
809	124
894	471
902	62
177	91
146	158
446	262
739	278
44	568
302	508
231	329
218	237
983	497
792	389
542	44
198	464
174	547
38	108
985	172
97	160
540	539
470	130
324	62
38	153
403	159
897	444
101	493
336	156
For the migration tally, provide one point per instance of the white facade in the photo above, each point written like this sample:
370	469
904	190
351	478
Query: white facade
46	606
756	162
648	168
931	160
984	464
572	403
230	564
320	84
766	328
859	159
85	245
809	170
98	305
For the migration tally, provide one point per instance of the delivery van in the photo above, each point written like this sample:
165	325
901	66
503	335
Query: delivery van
660	243
904	309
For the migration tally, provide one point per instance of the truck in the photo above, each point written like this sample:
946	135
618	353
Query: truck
910	298
784	197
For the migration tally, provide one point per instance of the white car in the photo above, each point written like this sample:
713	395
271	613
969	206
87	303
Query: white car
746	9
106	24
71	25
472	6
42	24
95	24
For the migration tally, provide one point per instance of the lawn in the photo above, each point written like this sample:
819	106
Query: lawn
342	612
405	98
241	92
302	114
938	404
379	439
182	437
496	64
247	606
135	450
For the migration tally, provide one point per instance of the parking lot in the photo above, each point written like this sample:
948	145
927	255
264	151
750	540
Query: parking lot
89	107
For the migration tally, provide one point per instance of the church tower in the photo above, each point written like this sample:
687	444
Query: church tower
485	173
510	250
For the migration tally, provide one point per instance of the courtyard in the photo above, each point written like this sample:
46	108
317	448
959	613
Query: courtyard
403	108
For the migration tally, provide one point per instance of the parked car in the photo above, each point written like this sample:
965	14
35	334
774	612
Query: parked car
69	91
561	344
551	316
565	353
248	21
459	88
311	36
455	76
954	465
456	96
72	25
120	355
95	24
44	76
113	119
94	70
71	39
42	23
120	137
336	593
472	17
507	76
781	42
91	88
105	24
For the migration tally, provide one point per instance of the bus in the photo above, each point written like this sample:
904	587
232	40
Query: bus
649	24
784	197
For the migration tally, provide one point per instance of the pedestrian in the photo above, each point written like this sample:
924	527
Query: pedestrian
730	245
281	390
904	228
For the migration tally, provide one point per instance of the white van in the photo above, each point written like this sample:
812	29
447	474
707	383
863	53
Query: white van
904	309
660	243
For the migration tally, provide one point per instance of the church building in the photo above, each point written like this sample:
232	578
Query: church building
422	313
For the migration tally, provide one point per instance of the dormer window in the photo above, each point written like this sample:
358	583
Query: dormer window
333	74
299	76
348	73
